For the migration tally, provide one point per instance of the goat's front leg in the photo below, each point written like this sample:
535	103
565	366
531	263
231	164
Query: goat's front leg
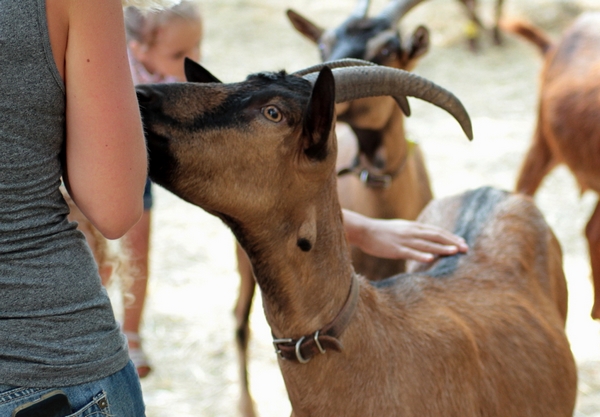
592	232
242	327
538	162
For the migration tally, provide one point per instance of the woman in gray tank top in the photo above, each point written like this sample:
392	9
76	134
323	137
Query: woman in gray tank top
71	114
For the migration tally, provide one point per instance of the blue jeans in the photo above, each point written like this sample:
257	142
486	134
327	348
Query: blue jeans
119	395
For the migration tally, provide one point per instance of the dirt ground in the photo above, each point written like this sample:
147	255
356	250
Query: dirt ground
188	327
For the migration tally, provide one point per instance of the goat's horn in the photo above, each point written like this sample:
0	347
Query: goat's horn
361	9
352	62
338	63
361	82
394	10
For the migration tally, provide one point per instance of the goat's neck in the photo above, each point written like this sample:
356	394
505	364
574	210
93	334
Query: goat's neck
393	146
394	139
302	290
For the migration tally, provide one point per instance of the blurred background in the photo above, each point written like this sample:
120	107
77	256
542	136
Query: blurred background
188	329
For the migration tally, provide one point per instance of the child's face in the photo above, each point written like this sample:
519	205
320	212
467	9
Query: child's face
176	40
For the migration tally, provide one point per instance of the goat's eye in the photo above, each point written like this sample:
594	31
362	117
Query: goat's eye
272	113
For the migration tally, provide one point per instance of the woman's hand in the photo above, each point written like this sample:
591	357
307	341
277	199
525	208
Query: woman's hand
400	239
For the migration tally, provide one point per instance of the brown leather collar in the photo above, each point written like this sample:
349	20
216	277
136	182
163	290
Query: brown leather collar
376	180
303	349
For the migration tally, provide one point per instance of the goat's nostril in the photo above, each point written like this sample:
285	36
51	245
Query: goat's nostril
145	96
142	95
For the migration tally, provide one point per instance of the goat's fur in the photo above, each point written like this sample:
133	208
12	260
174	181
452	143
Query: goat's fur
568	123
480	334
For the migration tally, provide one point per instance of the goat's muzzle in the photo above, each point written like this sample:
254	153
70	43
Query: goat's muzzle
147	97
162	163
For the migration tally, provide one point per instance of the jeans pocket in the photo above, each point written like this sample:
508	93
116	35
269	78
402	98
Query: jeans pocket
98	407
14	395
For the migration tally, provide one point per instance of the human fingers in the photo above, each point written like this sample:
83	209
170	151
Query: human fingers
444	239
434	248
408	253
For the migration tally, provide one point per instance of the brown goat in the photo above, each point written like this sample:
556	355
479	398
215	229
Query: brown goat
477	334
568	123
384	175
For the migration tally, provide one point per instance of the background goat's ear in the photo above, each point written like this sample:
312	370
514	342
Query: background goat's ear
196	73
319	116
305	26
418	45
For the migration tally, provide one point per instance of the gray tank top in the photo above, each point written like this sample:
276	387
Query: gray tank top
56	323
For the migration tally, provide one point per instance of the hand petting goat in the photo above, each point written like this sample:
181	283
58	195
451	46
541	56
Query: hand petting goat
400	239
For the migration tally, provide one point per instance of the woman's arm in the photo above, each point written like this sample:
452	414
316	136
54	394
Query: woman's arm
401	239
106	161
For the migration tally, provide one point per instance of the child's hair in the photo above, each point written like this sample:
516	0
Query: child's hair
141	25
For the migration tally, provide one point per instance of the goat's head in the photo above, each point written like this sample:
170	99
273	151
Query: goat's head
374	39
239	150
233	148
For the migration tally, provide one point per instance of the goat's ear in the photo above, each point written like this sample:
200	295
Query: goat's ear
418	43
196	73
319	116
305	26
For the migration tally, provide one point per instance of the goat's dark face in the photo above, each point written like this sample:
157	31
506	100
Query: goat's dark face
369	39
240	149
374	39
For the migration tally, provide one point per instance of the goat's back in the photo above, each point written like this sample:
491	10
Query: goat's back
487	327
570	100
511	246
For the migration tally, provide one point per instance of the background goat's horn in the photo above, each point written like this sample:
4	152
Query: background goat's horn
371	81
352	62
338	63
361	9
394	10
